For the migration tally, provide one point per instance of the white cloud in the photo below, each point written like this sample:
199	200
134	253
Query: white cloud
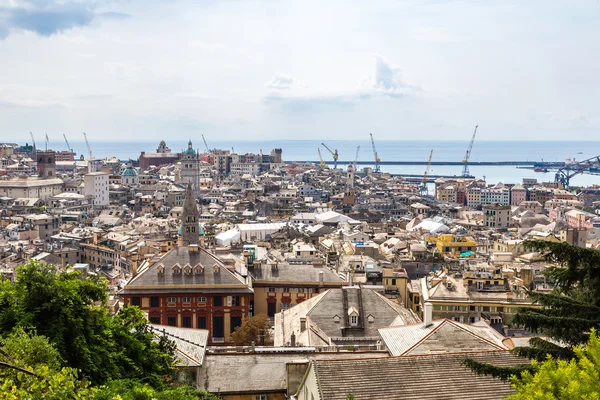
283	82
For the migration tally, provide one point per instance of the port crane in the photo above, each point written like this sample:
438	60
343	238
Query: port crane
423	188
33	150
333	153
87	144
68	146
322	162
465	161
205	144
47	141
356	158
377	159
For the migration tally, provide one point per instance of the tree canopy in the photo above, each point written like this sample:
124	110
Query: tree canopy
256	329
578	378
59	341
71	312
567	314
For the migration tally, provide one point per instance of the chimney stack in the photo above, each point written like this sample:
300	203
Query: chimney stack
321	275
428	314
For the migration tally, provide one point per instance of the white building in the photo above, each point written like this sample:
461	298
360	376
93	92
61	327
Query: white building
31	187
96	185
495	195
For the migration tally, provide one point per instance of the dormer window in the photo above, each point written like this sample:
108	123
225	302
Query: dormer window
216	269
176	269
160	269
198	269
353	314
187	269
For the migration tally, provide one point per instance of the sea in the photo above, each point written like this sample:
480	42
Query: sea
391	150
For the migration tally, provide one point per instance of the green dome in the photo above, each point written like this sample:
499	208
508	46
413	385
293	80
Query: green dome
129	172
190	152
200	230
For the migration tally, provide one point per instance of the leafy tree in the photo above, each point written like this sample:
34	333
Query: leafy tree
71	312
255	329
567	314
128	389
553	379
31	369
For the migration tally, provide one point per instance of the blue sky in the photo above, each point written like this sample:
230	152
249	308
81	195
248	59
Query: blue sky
525	70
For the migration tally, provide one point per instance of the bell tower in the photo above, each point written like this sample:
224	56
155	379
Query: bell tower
189	219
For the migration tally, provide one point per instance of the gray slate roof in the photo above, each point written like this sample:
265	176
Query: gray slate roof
168	282
295	273
256	372
432	377
442	336
191	343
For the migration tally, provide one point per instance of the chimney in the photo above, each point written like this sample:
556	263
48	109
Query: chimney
192	248
293	339
95	238
133	269
246	258
428	314
321	275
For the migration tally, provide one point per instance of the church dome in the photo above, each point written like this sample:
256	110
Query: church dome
129	172
190	152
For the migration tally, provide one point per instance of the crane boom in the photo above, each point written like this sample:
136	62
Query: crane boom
465	161
67	142
423	188
356	158
205	144
89	149
333	153
33	150
47	141
322	162
377	159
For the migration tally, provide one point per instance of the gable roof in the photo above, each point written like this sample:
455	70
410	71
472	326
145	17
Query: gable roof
167	282
442	336
435	377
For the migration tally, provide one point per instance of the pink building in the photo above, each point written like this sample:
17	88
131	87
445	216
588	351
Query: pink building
579	219
518	194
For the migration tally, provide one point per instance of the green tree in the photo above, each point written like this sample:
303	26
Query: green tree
255	329
71	312
31	369
553	379
567	314
129	389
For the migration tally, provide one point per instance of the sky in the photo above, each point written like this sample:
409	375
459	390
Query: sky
277	69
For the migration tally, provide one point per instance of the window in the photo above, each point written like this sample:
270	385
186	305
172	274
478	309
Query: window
393	282
172	321
235	322
155	320
135	301
354	320
272	290
187	322
171	300
201	322
201	299
486	309
235	300
186	299
217	301
154	301
260	397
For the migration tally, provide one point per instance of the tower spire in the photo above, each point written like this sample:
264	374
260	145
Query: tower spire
189	219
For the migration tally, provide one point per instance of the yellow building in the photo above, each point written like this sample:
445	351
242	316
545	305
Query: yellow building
279	286
453	245
475	295
446	193
513	246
